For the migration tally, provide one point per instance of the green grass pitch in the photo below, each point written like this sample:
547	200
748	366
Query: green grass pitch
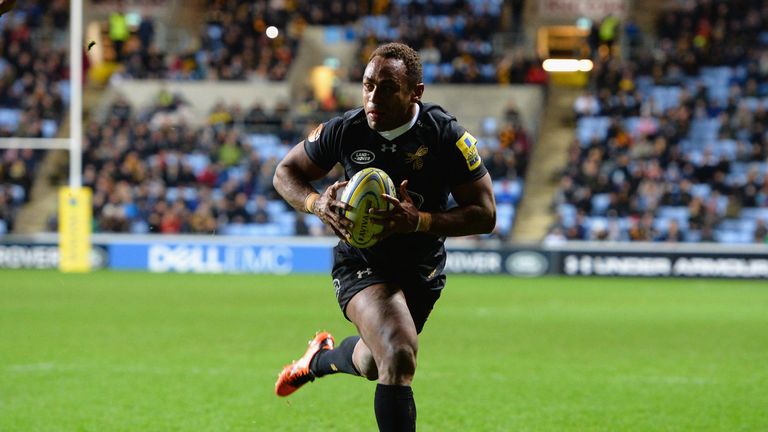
111	351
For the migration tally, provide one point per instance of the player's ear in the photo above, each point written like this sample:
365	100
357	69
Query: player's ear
418	92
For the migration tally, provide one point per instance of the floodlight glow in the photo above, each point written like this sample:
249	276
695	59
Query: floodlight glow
567	65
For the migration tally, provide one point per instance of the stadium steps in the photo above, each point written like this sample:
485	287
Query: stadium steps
547	161
319	43
53	172
33	217
645	14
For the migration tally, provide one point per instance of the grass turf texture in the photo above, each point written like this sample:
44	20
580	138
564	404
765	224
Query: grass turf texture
134	351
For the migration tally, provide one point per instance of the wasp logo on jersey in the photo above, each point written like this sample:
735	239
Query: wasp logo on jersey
468	146
415	159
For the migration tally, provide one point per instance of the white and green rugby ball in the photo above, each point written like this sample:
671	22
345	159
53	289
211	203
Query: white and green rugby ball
363	192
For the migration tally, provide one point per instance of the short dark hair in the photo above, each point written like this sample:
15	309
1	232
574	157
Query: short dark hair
410	58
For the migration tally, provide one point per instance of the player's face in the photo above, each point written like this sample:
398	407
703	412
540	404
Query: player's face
387	98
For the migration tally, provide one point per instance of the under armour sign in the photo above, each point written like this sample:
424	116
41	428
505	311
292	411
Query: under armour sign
389	148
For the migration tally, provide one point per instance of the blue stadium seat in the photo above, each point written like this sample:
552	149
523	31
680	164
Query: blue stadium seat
701	190
236	172
731	236
430	72
9	118
600	203
50	128
259	141
286	223
661	224
508	191
65	91
755	213
17	194
665	97
139	227
505	216
278	209
567	214
171	194
198	162
266	230
679	213
588	128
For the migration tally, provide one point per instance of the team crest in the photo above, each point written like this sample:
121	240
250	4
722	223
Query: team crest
415	159
468	146
315	134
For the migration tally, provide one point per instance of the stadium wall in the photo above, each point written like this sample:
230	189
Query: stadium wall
202	95
207	254
471	104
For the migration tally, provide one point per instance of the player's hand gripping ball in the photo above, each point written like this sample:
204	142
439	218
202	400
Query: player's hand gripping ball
363	192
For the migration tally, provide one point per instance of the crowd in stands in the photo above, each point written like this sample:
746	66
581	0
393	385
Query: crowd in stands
153	172
671	145
33	93
233	43
454	38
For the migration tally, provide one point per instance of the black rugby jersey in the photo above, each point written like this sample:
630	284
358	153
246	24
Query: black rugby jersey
433	155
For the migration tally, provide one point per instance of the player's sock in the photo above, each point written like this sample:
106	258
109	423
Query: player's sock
337	360
395	408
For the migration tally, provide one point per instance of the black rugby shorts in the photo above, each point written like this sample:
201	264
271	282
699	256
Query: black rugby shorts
421	284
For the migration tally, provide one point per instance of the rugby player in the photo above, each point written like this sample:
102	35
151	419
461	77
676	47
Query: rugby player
389	289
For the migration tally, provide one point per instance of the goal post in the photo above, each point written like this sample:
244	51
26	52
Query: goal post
75	208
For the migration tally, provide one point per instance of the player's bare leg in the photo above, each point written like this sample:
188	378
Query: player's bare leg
364	361
384	322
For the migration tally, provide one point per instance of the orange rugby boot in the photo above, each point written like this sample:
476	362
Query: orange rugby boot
297	373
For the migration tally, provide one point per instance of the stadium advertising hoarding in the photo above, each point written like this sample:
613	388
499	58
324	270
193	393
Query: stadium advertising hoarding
220	258
42	256
221	254
573	9
660	264
526	262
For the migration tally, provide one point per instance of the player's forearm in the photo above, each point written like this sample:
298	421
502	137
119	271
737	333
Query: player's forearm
460	221
292	187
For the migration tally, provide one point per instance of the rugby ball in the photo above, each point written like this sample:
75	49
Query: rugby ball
363	192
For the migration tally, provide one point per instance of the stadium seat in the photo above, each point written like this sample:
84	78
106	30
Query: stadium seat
600	203
18	194
755	213
505	216
732	236
198	162
10	118
50	128
680	214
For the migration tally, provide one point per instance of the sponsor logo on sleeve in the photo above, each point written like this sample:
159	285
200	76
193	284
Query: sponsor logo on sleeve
468	146
315	134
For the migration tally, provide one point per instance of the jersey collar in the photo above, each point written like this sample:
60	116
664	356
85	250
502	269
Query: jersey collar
394	133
